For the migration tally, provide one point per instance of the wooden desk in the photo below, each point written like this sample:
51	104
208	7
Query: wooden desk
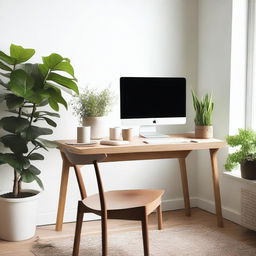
138	150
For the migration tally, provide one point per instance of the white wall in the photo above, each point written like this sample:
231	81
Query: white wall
106	40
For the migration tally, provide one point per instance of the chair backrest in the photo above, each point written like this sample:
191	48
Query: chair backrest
76	159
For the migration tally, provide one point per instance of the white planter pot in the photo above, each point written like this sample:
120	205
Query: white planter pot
18	217
98	126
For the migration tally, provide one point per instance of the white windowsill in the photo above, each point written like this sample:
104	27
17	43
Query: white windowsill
237	176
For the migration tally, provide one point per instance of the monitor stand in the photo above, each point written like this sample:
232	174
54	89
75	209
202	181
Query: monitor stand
149	131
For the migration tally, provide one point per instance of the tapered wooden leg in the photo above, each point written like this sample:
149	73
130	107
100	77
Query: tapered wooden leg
79	222
216	187
144	224
159	217
63	193
104	234
80	181
184	180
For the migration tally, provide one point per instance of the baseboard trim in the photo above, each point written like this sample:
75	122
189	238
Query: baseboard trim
167	205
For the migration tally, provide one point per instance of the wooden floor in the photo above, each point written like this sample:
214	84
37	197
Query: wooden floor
171	218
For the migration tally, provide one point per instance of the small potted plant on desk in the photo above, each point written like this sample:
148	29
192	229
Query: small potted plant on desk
92	106
245	155
26	88
203	118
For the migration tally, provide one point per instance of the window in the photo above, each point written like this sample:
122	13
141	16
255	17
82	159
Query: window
251	67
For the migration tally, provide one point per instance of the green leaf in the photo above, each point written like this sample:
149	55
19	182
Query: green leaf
55	94
36	156
42	113
39	144
64	81
14	124
33	132
7	75
49	121
34	170
43	68
39	182
4	67
15	143
20	54
52	60
21	83
27	176
48	143
54	104
13	101
66	67
5	85
15	161
7	59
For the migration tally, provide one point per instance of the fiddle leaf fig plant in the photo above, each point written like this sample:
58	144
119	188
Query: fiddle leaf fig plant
26	88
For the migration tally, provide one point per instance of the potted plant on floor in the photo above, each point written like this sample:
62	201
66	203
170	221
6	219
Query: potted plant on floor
26	89
203	118
91	106
245	155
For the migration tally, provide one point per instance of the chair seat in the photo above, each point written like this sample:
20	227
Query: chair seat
124	199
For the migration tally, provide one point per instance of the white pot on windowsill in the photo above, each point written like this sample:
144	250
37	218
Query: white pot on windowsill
18	217
98	126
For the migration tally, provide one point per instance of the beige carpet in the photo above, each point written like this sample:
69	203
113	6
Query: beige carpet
186	240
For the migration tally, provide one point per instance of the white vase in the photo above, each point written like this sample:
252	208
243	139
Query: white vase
18	217
98	126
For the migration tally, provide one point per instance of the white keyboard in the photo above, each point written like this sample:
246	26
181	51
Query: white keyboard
167	141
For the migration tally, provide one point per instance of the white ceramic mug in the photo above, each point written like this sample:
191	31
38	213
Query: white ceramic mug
115	133
84	134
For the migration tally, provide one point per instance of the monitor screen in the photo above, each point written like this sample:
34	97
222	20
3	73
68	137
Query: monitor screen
155	98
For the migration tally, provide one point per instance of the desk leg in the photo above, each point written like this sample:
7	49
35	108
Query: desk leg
216	187
184	180
62	195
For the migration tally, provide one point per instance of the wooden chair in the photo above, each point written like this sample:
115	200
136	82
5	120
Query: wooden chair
118	204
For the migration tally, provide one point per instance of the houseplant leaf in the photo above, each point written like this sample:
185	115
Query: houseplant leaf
21	83
17	144
7	59
4	67
14	124
33	132
13	101
20	54
64	81
16	161
36	156
52	60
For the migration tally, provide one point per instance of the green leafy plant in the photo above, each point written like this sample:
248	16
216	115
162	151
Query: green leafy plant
245	140
26	88
203	109
92	103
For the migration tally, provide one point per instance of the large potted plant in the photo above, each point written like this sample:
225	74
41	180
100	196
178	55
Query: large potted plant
245	154
26	88
91	106
203	117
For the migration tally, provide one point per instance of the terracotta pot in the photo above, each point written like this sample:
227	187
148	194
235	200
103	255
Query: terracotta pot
248	169
98	126
204	132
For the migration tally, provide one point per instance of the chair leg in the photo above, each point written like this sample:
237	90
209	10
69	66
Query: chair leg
159	217
144	224
104	235
79	222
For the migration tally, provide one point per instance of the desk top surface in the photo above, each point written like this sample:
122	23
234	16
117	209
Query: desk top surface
137	145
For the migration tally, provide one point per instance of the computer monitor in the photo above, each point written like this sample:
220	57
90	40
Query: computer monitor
152	100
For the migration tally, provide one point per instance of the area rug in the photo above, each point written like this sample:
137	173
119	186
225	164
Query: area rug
186	240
